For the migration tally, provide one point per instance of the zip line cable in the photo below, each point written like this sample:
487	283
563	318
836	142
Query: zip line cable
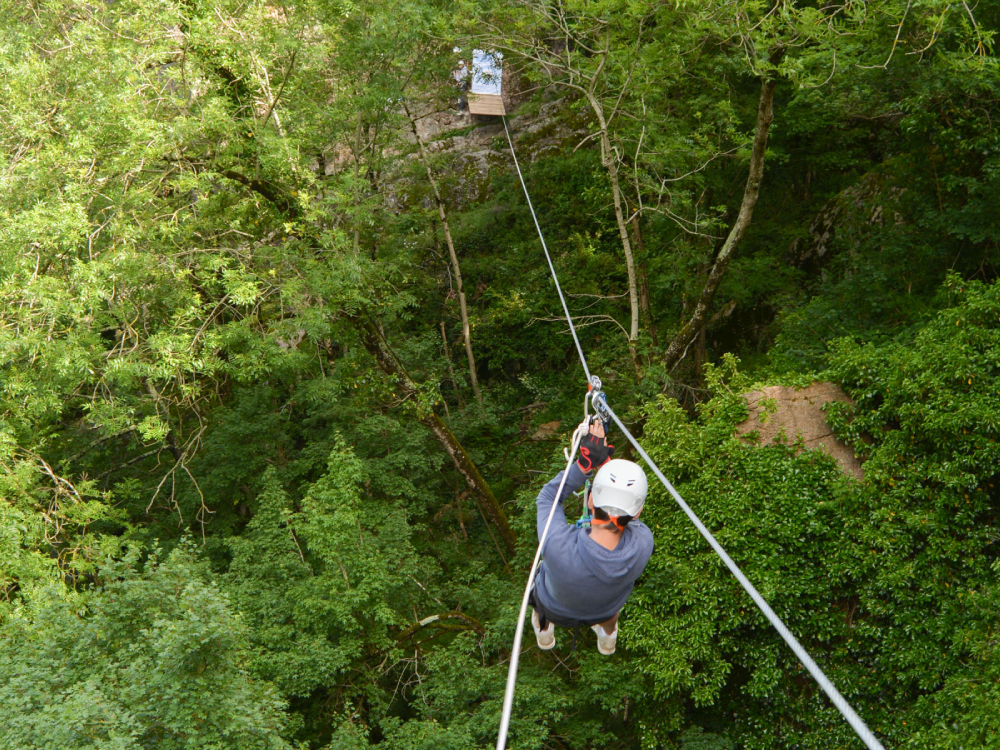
857	724
602	407
569	318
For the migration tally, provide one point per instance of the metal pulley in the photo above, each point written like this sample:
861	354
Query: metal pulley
597	398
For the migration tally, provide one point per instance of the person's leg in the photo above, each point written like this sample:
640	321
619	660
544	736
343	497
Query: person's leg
610	624
545	632
607	635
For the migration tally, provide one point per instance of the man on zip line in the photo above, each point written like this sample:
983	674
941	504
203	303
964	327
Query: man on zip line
587	574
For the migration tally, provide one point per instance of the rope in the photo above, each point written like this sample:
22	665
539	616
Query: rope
552	268
515	654
601	405
832	693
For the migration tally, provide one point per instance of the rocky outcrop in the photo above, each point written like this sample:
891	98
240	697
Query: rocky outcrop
798	413
476	144
869	201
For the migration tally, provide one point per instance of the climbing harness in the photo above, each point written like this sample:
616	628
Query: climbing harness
605	412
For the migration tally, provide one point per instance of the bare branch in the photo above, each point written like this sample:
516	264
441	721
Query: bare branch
899	30
975	26
284	81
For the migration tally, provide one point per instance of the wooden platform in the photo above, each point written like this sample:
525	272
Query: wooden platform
486	104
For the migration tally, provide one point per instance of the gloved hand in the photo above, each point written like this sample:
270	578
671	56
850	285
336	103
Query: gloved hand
594	448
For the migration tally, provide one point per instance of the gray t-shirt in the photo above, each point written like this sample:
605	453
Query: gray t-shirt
579	579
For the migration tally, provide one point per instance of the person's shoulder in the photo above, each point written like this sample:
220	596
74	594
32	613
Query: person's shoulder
644	534
561	534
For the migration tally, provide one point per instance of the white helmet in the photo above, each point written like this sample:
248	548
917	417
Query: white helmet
620	488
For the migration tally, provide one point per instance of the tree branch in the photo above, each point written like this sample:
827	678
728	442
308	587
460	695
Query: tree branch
266	190
131	461
447	621
374	341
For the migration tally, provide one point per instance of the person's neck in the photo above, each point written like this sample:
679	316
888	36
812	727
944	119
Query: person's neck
607	539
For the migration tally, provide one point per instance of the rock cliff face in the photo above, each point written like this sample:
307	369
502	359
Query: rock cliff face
780	410
872	200
472	145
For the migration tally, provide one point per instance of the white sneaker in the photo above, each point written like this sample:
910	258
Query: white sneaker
546	638
605	642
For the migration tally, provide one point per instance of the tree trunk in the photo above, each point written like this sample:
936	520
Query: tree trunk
610	164
376	344
699	354
456	269
357	186
643	274
677	348
451	369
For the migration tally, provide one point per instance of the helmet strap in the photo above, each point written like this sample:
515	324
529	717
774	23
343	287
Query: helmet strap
616	522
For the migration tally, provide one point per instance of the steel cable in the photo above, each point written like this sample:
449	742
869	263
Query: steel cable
552	268
832	693
601	405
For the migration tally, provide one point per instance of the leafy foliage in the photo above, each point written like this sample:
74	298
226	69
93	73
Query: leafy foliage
145	658
230	357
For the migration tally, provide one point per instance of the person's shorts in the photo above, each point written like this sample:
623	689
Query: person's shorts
544	618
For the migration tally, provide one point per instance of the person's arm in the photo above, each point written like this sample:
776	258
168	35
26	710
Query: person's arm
594	451
547	496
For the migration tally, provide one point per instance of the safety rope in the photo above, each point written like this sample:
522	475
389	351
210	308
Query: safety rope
515	654
604	410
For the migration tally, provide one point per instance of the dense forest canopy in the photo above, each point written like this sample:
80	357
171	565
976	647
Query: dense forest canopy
282	367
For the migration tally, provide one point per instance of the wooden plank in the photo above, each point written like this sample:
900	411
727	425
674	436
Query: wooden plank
486	104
